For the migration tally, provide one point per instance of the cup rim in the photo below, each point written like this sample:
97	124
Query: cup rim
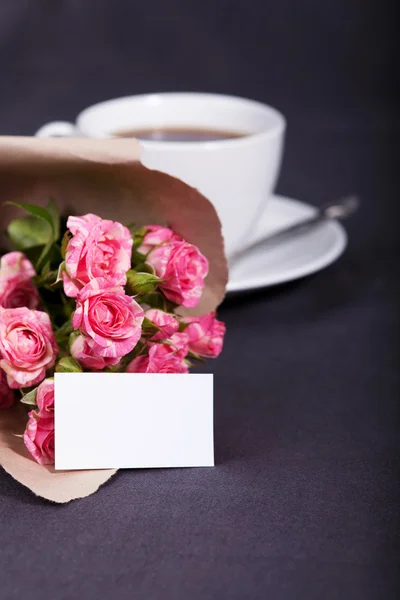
276	128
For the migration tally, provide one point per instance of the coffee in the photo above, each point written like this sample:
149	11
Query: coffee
179	134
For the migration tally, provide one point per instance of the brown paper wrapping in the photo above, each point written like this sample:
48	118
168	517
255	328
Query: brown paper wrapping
104	177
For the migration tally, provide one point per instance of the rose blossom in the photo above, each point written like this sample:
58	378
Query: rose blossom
98	248
167	324
83	349
39	438
110	318
162	358
180	343
27	346
39	432
154	236
16	263
181	265
6	394
45	398
16	288
206	335
18	292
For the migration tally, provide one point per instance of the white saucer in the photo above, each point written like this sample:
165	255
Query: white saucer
295	258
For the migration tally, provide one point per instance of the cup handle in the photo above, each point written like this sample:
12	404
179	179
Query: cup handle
57	129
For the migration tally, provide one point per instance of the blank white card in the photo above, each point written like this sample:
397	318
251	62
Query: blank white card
126	420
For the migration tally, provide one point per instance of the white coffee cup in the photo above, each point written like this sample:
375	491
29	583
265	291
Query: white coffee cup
237	175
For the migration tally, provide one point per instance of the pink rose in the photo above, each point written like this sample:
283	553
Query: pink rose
161	359
45	398
6	394
206	335
16	263
167	324
16	288
98	249
83	349
180	343
108	317
39	438
156	235
27	346
181	265
39	432
17	292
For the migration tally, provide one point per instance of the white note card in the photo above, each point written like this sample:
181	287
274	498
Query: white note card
126	420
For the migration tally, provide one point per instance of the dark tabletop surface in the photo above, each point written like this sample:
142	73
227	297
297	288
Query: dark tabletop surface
304	500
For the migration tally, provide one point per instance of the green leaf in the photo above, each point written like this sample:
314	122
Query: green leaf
29	232
36	211
30	397
149	327
63	332
196	356
60	271
68	365
55	218
47	216
64	242
156	300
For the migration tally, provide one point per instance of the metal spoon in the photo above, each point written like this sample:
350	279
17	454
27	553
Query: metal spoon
342	209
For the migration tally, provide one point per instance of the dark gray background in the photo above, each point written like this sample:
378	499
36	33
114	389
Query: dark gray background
303	503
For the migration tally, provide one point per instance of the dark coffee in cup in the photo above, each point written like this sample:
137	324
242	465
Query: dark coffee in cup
178	134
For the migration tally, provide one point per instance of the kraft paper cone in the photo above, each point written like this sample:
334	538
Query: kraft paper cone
104	177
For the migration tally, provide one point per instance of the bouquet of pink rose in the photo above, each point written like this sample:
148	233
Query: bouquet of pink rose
89	294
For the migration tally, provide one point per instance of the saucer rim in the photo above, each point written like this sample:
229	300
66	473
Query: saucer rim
309	267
